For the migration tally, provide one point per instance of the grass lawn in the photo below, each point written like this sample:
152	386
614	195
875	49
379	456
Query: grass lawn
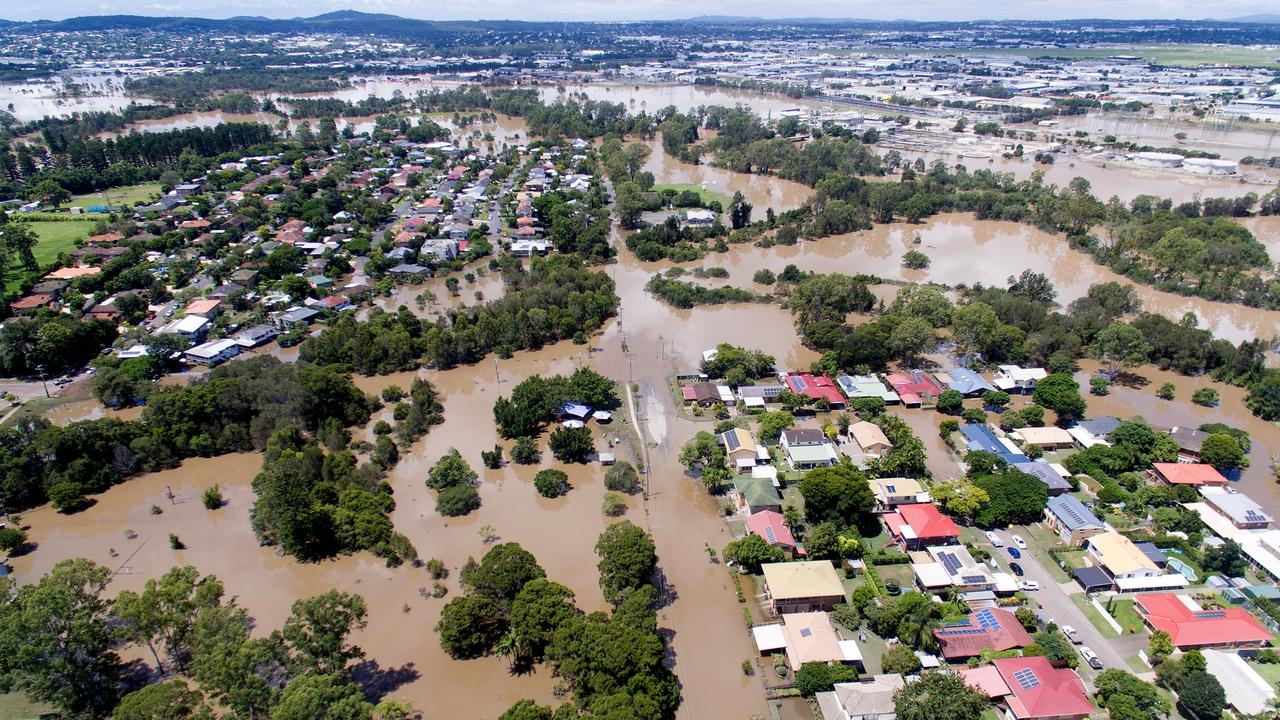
1094	616
1269	671
902	573
1039	540
706	195
1123	612
55	238
16	706
142	192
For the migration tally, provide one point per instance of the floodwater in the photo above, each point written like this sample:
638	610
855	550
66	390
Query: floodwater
431	298
1139	399
1231	138
761	191
686	97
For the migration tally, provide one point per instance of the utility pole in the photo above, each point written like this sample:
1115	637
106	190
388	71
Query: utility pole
42	380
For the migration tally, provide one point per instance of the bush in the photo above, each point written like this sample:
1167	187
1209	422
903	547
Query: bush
765	277
622	477
492	459
816	677
1166	391
614	504
175	542
458	500
974	415
915	260
948	426
1099	385
571	445
392	393
212	498
1207	397
12	539
525	451
551	483
950	402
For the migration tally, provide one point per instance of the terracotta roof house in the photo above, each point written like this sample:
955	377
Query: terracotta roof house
1192	627
802	586
818	387
770	526
104	239
915	388
993	628
31	303
1040	691
70	273
204	307
920	525
738	445
1187	474
870	438
702	393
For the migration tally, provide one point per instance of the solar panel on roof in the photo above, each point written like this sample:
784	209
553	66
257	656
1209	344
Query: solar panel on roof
1026	678
950	562
805	632
768	534
1211	614
1254	516
987	619
891	488
966	631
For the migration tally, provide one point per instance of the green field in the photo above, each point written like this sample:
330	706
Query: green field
55	238
1179	55
16	706
706	195
128	196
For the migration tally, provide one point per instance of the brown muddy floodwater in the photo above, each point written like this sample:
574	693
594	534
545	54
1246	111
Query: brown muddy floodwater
686	97
761	191
1232	139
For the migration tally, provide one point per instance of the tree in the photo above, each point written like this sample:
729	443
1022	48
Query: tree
49	193
537	611
627	559
551	483
470	626
1202	694
1056	647
973	326
940	695
1033	286
56	640
912	337
527	710
1227	558
960	497
622	477
1263	399
1207	397
318	628
503	571
458	500
1060	393
840	494
1015	497
995	399
571	444
751	551
1222	451
171	700
19	240
321	697
900	659
739	211
1117	688
950	402
1166	391
772	424
450	470
1159	647
914	259
1121	346
525	451
212	497
816	677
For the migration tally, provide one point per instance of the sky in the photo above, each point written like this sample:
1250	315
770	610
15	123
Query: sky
654	9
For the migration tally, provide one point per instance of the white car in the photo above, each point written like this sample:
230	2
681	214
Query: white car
1018	542
1090	657
995	539
1071	634
1029	585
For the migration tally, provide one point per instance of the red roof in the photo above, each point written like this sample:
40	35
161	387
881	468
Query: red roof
814	386
1041	690
1204	628
986	628
911	387
31	302
923	520
1189	474
770	526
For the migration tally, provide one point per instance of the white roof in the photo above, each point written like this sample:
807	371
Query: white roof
213	348
769	637
931	575
1246	690
1262	546
768	472
726	395
1157	582
190	324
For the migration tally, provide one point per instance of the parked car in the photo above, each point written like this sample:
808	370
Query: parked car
1029	585
1071	634
1016	569
1017	540
995	539
1090	657
1015	552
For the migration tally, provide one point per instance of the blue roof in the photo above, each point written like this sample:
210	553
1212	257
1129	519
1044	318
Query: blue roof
1045	474
967	381
1072	513
575	409
980	437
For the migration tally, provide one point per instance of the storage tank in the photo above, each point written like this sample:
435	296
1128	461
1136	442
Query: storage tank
1209	166
1157	159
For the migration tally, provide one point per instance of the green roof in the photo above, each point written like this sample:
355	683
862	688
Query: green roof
758	492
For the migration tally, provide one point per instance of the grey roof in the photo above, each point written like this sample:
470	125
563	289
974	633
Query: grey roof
1188	439
967	382
1100	426
1092	577
1072	513
1153	553
1045	474
804	436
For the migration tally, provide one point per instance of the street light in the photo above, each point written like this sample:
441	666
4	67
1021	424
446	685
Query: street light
42	382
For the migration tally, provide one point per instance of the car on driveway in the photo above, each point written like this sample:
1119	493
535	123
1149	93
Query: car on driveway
995	539
1015	552
1029	585
1016	569
1017	540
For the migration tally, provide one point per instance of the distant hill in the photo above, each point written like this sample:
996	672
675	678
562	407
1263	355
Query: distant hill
744	20
1262	18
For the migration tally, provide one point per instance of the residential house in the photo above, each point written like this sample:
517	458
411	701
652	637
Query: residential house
256	336
870	438
951	567
753	494
1015	379
1096	431
31	303
860	386
1046	473
1189	443
409	270
1127	565
802	586
204	307
335	303
866	700
985	629
191	327
294	316
920	525
1247	692
981	437
213	352
1071	520
817	387
699	216
1192	627
701	393
1196	474
1240	509
1038	691
914	389
892	492
739	447
772	528
965	381
1047	438
807	448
